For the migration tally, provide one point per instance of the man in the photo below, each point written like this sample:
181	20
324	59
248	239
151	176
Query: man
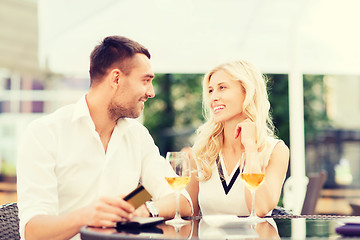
75	165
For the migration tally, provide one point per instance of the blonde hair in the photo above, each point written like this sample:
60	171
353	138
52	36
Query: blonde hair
256	107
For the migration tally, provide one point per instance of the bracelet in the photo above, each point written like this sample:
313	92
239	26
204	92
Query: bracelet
152	208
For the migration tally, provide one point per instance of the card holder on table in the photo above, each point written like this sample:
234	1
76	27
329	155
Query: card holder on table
140	222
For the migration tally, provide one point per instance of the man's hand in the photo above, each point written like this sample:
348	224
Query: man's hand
142	211
107	211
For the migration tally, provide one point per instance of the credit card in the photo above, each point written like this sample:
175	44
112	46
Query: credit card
138	196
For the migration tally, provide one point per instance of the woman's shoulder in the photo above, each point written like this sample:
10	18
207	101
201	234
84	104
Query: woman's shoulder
276	143
280	150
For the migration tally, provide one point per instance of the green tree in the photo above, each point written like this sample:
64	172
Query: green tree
315	118
315	115
278	91
174	114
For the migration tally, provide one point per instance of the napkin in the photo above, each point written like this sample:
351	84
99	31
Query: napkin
225	227
225	221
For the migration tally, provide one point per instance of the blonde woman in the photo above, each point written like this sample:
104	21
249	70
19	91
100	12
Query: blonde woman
236	109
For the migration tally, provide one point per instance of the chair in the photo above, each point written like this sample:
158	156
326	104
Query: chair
9	221
355	206
280	211
314	187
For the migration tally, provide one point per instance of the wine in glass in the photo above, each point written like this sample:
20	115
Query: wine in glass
180	163
252	172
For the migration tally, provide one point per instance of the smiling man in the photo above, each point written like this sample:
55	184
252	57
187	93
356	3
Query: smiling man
76	164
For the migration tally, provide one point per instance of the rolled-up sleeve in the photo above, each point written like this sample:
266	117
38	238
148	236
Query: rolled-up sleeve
36	180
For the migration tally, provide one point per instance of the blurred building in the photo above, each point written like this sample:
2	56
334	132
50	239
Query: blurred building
343	101
19	69
337	149
27	90
19	36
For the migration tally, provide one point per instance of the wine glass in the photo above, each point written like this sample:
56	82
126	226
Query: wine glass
252	172
180	163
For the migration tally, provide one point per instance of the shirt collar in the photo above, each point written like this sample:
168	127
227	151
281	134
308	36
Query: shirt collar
81	110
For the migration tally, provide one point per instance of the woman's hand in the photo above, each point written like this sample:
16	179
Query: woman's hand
247	132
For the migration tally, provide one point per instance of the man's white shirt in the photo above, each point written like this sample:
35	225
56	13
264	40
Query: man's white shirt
62	164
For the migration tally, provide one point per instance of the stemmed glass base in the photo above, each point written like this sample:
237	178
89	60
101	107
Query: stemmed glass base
177	223
177	220
254	219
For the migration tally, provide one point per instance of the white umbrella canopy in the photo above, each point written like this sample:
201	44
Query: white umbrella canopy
192	36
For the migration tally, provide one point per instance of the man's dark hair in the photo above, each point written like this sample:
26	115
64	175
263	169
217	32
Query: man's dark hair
113	51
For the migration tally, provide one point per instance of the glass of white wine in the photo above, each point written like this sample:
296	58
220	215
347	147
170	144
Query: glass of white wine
180	163
252	172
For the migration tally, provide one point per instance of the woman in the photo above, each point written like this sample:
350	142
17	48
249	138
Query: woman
236	109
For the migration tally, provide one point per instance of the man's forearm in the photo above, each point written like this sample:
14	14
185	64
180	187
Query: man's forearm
103	213
53	227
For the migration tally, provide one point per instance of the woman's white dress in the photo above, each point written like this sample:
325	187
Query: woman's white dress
216	197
